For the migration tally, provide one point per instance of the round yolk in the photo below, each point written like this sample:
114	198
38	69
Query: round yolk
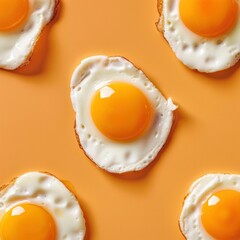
27	222
221	215
13	13
209	18
121	111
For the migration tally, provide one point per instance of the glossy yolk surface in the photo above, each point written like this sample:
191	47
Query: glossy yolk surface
221	215
13	13
121	111
209	18
27	222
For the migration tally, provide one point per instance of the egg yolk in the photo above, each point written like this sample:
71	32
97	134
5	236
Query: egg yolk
13	13
27	222
121	111
221	215
209	18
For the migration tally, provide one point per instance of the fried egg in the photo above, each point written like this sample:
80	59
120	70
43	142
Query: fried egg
204	34
211	209
21	22
39	206
122	120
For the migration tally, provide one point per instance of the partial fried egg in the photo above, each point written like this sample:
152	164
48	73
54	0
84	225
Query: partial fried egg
38	206
21	22
211	209
204	34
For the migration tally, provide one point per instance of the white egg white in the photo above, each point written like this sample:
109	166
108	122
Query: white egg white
113	156
47	191
190	218
16	46
197	52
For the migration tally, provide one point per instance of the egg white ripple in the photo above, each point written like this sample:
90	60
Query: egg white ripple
117	157
190	218
197	52
47	191
16	46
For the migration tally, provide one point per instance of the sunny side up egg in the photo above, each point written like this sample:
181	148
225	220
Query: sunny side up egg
204	34
211	210
21	22
38	206
122	120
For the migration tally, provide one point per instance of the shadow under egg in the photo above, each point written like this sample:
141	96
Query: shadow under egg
224	74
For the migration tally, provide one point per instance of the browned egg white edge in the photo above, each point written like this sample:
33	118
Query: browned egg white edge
29	56
184	199
160	11
179	225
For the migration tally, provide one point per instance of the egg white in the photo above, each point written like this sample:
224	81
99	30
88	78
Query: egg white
16	46
197	52
47	191
190	218
113	156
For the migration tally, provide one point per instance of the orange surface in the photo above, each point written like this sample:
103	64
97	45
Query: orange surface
36	123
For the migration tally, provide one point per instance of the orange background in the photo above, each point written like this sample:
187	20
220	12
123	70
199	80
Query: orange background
36	121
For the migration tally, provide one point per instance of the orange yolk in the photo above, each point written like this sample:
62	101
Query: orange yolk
27	222
221	215
209	18
121	111
13	13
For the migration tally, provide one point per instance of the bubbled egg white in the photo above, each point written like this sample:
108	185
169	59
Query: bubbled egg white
92	74
197	52
47	191
190	218
16	46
